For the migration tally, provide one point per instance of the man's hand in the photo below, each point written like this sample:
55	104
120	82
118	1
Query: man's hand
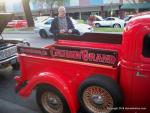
62	31
70	31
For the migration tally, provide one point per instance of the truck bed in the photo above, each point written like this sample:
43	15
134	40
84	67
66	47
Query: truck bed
98	41
109	41
71	53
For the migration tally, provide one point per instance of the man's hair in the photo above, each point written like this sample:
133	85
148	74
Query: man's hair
61	8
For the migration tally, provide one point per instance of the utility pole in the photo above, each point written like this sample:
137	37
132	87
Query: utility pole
28	13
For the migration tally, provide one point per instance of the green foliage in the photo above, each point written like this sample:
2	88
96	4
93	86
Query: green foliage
34	1
107	29
58	2
50	2
81	21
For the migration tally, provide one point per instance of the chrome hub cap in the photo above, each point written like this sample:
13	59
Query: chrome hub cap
52	103
97	99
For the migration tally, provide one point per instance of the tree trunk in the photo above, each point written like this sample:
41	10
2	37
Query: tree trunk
51	10
28	13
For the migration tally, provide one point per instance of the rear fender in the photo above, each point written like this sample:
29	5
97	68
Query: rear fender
53	80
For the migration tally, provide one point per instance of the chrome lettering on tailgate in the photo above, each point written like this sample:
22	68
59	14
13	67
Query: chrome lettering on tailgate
80	54
89	55
6	53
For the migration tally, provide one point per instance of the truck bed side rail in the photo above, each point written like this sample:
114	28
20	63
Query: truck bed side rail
110	38
79	54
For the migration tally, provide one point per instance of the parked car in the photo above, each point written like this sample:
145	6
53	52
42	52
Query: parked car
98	18
40	19
43	27
8	48
92	18
17	24
127	18
82	28
110	22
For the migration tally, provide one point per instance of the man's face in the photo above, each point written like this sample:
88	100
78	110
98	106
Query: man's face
61	12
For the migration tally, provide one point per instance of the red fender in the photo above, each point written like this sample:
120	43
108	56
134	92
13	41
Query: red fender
54	80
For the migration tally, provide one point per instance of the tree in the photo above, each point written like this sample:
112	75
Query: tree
134	3
50	4
141	1
28	13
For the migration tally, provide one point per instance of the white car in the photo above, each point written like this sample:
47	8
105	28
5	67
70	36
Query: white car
98	18
40	19
110	22
43	27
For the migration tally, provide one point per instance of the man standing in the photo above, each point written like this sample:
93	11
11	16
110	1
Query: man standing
62	24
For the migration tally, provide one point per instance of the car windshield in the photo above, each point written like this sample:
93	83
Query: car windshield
127	18
98	18
41	19
109	19
73	21
48	21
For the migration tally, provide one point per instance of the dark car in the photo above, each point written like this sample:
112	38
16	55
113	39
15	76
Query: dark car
127	18
8	48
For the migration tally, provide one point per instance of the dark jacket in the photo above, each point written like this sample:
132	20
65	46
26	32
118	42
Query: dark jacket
55	26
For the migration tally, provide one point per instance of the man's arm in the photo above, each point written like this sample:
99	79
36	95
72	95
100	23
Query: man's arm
70	24
54	27
71	27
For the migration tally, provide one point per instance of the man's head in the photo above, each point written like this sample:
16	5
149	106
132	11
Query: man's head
61	11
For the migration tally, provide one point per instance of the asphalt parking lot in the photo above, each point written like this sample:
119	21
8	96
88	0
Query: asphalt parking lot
10	102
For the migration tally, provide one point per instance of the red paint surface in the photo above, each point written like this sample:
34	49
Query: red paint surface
67	75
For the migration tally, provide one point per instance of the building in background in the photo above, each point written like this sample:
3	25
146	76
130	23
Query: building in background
13	6
2	7
131	7
119	8
81	9
74	3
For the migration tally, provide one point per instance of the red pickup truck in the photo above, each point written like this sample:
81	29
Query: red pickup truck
101	73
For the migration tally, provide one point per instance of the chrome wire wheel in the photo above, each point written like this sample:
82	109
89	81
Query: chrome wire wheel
97	99
52	102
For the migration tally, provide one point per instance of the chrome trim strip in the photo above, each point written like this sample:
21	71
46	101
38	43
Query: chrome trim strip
7	60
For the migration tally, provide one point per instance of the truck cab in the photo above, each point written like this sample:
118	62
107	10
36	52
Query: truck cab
135	62
98	72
